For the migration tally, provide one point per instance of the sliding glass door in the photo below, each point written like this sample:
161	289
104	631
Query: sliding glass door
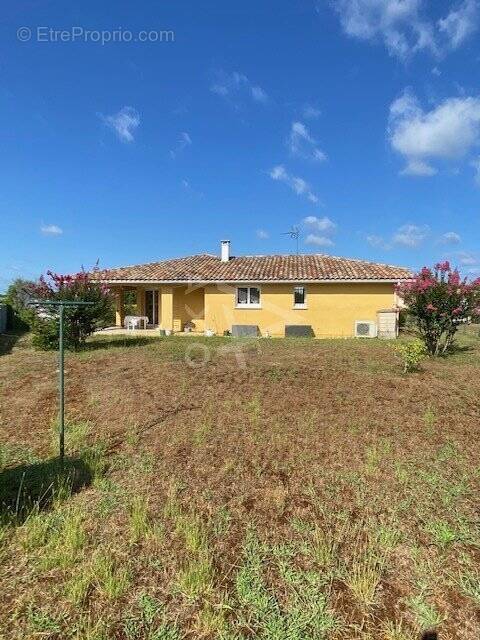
151	307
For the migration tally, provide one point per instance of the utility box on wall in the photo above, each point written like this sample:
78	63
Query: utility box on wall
387	323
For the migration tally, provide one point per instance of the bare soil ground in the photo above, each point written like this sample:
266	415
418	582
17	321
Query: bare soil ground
289	489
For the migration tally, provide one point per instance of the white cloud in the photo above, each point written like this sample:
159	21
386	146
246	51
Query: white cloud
475	163
262	234
436	71
450	238
410	235
319	231
448	131
183	142
258	94
377	241
415	167
299	185
319	241
124	123
310	112
51	230
467	259
301	143
404	27
320	224
459	24
237	87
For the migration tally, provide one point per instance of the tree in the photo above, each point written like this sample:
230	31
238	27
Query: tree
439	300
17	297
80	322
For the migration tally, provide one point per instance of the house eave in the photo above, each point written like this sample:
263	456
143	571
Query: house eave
259	281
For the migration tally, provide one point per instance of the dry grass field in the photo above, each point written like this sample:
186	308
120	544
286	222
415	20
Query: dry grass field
295	490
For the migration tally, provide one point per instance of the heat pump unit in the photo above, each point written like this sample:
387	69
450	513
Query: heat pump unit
365	329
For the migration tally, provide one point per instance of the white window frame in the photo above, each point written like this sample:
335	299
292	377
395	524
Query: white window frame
302	305
248	304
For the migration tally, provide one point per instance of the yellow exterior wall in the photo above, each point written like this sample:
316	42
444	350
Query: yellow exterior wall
188	306
332	308
166	308
119	308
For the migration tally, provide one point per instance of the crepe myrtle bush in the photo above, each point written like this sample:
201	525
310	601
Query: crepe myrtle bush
438	300
79	322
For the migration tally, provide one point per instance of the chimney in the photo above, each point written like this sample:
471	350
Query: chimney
225	250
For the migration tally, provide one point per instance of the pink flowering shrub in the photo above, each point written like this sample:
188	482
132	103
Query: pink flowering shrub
80	322
438	300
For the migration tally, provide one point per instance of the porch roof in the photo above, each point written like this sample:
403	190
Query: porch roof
205	268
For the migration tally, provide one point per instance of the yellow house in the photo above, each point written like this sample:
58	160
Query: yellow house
272	295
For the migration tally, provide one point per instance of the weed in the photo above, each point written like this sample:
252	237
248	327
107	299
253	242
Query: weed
470	586
110	578
442	533
306	612
34	532
150	622
211	621
395	630
254	409
79	586
132	437
425	613
388	537
138	519
222	520
324	548
201	433
363	575
196	578
430	420
41	621
90	628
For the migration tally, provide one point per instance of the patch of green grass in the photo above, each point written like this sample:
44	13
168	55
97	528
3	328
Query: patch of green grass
41	622
396	630
138	519
470	585
305	612
196	576
221	522
363	572
424	612
148	622
430	420
195	579
324	548
441	533
201	433
66	540
89	627
15	454
110	577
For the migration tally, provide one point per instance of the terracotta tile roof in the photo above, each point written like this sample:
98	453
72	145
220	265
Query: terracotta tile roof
301	268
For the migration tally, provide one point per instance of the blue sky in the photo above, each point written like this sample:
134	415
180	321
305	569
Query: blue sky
358	120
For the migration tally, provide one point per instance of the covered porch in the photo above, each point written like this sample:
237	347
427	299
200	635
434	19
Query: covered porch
175	308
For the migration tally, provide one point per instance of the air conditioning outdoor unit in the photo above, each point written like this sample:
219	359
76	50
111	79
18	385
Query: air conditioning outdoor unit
365	329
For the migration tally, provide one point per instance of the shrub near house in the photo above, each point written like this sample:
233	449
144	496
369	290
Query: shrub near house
438	300
80	322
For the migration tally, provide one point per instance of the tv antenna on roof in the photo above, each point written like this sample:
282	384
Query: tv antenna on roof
294	234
